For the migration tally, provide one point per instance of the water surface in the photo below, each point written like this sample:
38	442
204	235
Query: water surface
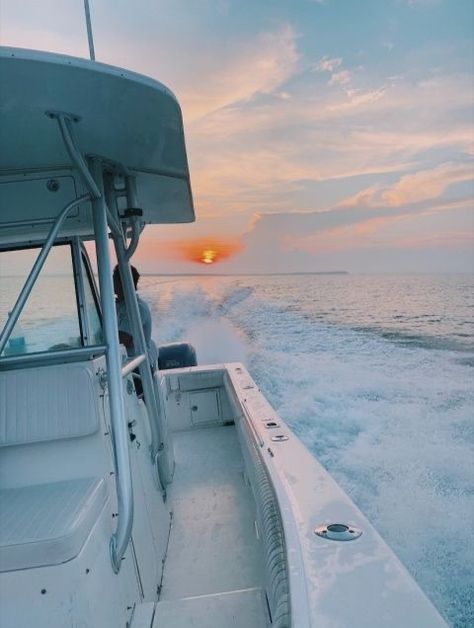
375	374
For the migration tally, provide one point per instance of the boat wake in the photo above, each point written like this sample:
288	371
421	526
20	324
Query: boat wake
390	422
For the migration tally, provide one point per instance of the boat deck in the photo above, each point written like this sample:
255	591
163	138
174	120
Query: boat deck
213	571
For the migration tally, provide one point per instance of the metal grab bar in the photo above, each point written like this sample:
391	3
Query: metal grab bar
74	153
132	364
121	536
35	271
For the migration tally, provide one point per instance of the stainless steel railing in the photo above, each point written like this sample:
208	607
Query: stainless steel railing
35	271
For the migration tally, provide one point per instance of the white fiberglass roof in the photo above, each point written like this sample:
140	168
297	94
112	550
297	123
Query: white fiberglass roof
124	117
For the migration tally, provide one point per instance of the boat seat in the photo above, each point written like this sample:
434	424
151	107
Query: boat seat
47	524
47	403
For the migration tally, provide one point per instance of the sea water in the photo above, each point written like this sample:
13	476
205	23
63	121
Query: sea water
375	374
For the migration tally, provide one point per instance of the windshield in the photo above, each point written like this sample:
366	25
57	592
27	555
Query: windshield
49	321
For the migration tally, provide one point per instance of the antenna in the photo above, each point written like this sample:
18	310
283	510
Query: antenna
89	30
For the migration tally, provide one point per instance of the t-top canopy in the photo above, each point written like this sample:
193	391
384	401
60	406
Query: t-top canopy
123	117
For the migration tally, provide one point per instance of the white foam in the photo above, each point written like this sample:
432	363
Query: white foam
392	424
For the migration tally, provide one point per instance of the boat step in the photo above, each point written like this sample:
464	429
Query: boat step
245	608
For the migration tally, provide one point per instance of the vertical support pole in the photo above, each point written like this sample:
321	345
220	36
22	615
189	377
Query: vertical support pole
131	190
132	202
80	291
152	401
120	539
90	38
139	344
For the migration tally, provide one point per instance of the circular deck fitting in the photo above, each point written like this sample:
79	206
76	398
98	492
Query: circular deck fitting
270	425
338	532
279	438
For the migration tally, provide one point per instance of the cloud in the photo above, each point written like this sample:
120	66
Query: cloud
364	239
427	184
454	241
356	99
328	64
379	233
333	65
342	238
333	149
259	66
340	78
419	3
255	156
418	187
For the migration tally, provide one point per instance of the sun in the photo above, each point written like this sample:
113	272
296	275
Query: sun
208	256
212	250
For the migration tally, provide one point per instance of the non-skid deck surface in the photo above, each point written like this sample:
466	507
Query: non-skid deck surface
214	562
238	609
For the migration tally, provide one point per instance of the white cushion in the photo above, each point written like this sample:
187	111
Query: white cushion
47	524
47	403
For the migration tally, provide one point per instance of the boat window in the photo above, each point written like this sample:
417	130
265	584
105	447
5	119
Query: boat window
91	305
49	321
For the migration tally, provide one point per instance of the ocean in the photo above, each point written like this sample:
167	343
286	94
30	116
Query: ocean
375	374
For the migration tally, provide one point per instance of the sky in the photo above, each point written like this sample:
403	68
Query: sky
322	135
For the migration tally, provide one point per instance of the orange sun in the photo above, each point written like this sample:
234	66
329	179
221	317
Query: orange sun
208	256
205	251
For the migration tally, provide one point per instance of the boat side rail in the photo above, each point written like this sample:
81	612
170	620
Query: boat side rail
237	382
351	575
271	532
258	439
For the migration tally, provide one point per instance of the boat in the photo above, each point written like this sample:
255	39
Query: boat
193	504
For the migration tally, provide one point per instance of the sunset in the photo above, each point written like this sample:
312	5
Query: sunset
236	313
202	250
346	125
208	256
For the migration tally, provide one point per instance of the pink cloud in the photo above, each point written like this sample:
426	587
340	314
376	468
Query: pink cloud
426	184
417	187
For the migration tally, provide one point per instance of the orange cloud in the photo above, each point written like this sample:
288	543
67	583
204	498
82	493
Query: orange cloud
416	187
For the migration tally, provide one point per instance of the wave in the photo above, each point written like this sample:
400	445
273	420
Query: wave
236	296
421	340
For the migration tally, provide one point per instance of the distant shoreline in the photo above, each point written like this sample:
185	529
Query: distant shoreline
329	272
